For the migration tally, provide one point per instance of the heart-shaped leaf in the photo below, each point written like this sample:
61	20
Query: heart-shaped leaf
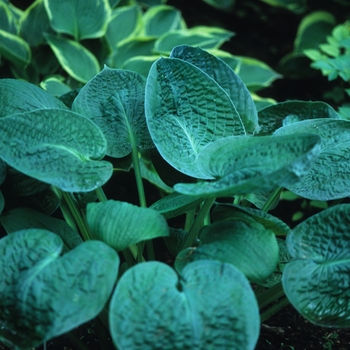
240	243
226	78
317	281
130	224
244	165
89	18
328	177
186	110
211	306
19	96
43	294
55	146
114	100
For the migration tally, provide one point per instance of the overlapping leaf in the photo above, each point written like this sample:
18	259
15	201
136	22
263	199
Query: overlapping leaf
211	306
43	294
186	110
317	281
56	146
114	100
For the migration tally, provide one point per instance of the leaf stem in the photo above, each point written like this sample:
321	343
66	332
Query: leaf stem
101	195
270	201
138	177
198	222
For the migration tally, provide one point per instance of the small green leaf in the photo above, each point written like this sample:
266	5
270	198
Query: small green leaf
15	49
8	21
140	64
162	19
125	22
18	96
297	6
280	114
43	294
74	58
226	78
56	146
328	177
240	243
211	306
317	281
186	110
130	224
55	86
223	5
114	100
25	218
243	165
204	37
82	19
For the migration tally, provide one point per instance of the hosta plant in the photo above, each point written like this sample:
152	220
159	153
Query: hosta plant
71	255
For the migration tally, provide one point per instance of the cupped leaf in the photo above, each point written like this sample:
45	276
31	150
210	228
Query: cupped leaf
74	58
226	78
328	177
114	100
56	146
15	49
24	218
44	294
240	243
162	19
284	113
175	204
211	306
86	19
125	22
317	281
243	165
204	37
18	96
186	110
130	224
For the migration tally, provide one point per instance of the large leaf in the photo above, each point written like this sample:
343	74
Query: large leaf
317	281
18	96
25	218
114	100
329	176
82	19
243	165
7	19
240	243
74	58
56	146
211	306
44	294
186	110
280	114
15	49
130	224
226	78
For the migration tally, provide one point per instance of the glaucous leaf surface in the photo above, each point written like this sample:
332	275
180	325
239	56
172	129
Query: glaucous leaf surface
44	294
175	204
210	306
114	100
317	281
74	58
162	19
247	245
15	49
225	211
186	110
56	146
243	165
202	36
226	78
25	218
130	224
284	113
328	178
83	19
17	96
